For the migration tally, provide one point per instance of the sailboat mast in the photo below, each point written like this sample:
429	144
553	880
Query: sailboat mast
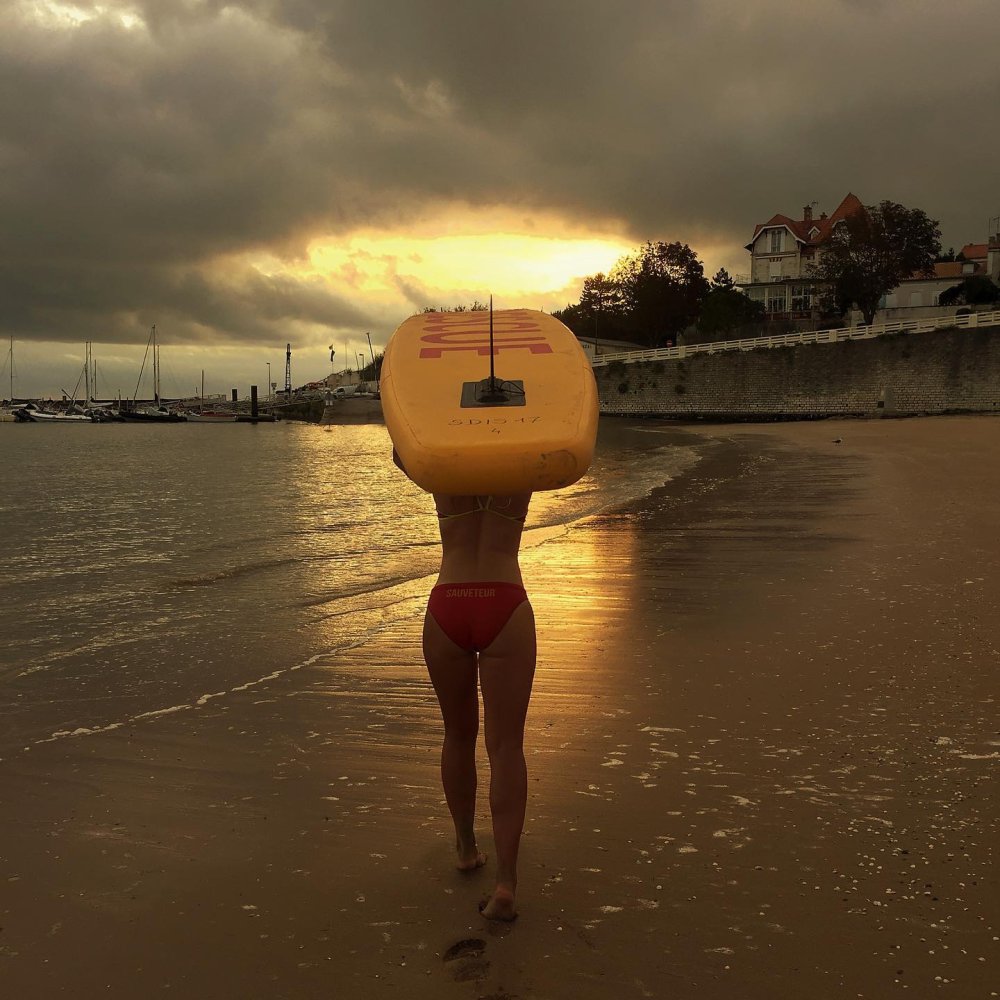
156	371
493	374
11	371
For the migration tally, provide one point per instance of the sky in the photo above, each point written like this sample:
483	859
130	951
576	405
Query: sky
250	174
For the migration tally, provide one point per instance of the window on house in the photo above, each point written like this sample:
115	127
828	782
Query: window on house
801	298
776	300
776	235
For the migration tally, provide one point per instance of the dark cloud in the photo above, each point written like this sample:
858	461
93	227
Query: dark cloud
140	166
88	301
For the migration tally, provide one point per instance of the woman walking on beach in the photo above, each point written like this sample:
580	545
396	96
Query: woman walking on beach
479	633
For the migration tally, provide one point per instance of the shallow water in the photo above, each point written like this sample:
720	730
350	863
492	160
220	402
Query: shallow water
150	568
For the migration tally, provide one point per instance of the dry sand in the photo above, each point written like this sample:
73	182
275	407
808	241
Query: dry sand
762	754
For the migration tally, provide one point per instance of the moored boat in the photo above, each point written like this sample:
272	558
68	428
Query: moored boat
34	414
152	414
212	417
157	413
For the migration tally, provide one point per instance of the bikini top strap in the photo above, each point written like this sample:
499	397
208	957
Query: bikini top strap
488	506
485	506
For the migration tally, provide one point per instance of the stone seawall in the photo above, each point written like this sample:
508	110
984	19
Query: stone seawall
309	410
353	410
944	371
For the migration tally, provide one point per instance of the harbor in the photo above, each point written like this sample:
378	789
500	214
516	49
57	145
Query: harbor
348	396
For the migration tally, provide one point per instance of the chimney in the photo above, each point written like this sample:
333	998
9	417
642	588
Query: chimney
807	214
993	257
822	216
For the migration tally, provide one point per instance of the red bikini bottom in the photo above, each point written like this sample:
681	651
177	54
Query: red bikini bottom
472	615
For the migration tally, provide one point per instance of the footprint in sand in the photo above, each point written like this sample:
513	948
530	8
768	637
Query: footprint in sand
464	960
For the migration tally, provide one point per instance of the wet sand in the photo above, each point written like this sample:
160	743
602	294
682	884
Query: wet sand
762	754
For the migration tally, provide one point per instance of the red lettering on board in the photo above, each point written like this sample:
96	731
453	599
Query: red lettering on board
434	329
442	338
478	322
470	332
484	349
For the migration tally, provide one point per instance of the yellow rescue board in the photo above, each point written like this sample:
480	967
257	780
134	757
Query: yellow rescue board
457	432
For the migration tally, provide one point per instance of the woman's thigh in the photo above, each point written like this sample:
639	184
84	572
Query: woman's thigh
506	673
453	673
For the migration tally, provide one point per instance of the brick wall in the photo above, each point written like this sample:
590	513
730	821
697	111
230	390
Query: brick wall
908	373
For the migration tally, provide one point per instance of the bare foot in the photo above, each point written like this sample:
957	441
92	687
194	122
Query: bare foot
500	906
471	864
469	859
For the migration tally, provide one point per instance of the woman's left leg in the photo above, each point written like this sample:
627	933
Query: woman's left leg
453	673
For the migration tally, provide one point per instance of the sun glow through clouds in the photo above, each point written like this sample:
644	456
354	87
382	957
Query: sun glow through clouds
454	263
53	14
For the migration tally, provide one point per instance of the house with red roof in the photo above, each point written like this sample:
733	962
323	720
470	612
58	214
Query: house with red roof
782	250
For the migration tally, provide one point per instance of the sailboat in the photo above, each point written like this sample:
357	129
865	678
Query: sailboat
7	408
100	413
157	412
33	413
75	412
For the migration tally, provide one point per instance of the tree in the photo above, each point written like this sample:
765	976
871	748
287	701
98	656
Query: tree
726	309
723	279
662	288
872	251
599	311
476	306
575	318
601	296
602	306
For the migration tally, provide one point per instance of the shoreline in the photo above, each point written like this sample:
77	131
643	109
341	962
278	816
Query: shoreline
759	758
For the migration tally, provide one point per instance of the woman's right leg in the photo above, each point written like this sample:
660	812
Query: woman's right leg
506	672
453	673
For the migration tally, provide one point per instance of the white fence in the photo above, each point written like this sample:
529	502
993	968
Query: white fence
924	325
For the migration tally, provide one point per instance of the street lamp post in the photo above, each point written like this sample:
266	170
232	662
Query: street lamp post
268	380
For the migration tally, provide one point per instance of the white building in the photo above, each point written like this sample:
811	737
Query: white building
922	293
